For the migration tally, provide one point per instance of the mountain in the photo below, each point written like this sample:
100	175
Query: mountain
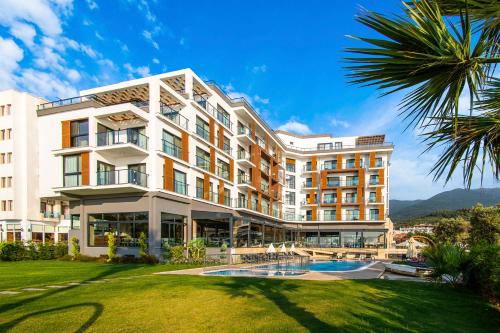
450	200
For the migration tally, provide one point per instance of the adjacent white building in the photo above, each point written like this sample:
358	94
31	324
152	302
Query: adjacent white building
23	216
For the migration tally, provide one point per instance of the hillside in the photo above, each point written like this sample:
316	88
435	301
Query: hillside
401	210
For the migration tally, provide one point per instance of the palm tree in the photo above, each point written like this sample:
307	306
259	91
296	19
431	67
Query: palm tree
437	52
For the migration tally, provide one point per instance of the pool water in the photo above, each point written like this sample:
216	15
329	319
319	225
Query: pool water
247	272
321	266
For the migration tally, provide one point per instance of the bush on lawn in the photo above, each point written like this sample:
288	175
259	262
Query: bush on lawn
15	251
483	273
448	260
112	247
75	248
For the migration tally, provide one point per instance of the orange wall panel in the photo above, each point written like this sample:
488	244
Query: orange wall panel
357	160
211	135
220	141
66	134
85	168
168	174
381	177
212	159
314	213
185	146
339	161
381	212
314	163
231	170
372	159
221	192
362	212
314	177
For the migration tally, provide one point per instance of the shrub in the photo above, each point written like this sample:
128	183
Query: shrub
453	230
197	249
12	251
143	245
448	261
75	247
223	251
112	247
483	272
177	254
61	249
32	251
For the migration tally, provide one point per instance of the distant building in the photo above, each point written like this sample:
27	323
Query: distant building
419	228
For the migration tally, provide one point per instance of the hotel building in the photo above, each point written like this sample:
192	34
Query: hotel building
23	216
174	157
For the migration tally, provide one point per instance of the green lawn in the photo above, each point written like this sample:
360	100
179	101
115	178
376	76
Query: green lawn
220	304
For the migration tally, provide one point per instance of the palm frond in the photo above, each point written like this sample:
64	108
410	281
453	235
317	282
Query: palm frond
422	53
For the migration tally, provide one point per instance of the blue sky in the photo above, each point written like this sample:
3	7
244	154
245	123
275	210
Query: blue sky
284	57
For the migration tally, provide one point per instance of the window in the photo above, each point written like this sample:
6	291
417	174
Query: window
338	145
172	145
79	133
226	145
2	135
325	146
72	171
290	181
264	185
37	233
172	229
330	198
374	239
374	214
180	185
242	177
352	215
330	165
309	182
330	215
290	198
351	239
223	116
75	222
350	163
290	167
332	181
242	201
264	166
8	109
127	227
308	215
62	234
222	169
378	162
308	166
8	133
202	159
14	232
352	181
200	188
227	197
137	174
202	128
374	180
9	158
2	110
373	197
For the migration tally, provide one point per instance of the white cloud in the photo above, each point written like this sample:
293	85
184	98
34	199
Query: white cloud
46	84
87	22
296	127
259	69
24	32
12	54
255	100
92	4
98	35
148	35
134	72
182	41
259	99
155	61
73	75
339	123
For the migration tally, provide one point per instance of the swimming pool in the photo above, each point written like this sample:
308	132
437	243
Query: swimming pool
254	273
322	266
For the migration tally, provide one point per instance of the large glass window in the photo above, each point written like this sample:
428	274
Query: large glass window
14	232
180	185
213	233
200	188
330	165
172	229
325	146
329	198
172	145
374	214
290	181
374	239
222	169
37	233
126	226
329	239
256	235
79	133
290	167
75	222
72	169
202	128
330	215
106	174
351	239
202	159
223	116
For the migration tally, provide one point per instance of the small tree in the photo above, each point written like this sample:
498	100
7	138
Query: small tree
75	248
449	261
143	245
197	249
452	230
111	246
485	224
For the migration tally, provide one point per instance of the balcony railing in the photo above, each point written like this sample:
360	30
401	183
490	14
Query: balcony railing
174	116
329	200
202	132
243	130
244	179
67	101
171	149
261	142
222	172
290	167
203	163
265	168
51	215
213	111
349	200
243	155
374	181
378	164
180	187
241	203
123	136
340	183
346	165
125	176
307	184
200	193
306	202
264	187
307	168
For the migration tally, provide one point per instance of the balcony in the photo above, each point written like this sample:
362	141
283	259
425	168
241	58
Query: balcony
378	164
202	132
342	183
241	203
212	111
121	177
344	166
203	163
307	185
122	142
200	193
171	149
307	168
174	116
264	187
261	142
222	172
180	187
52	216
349	200
265	168
243	157
244	180
374	182
373	200
244	135
329	200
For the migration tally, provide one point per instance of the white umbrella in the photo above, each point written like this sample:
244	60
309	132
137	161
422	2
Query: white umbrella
292	248
271	249
283	248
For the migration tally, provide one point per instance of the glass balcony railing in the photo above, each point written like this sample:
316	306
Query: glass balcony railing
199	193
202	132
349	200
329	200
171	149
129	135
174	115
243	155
125	176
264	187
203	163
244	179
72	180
374	181
242	130
222	172
213	111
180	187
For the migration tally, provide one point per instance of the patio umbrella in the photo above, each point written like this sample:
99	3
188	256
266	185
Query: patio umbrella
271	249
411	250
283	248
